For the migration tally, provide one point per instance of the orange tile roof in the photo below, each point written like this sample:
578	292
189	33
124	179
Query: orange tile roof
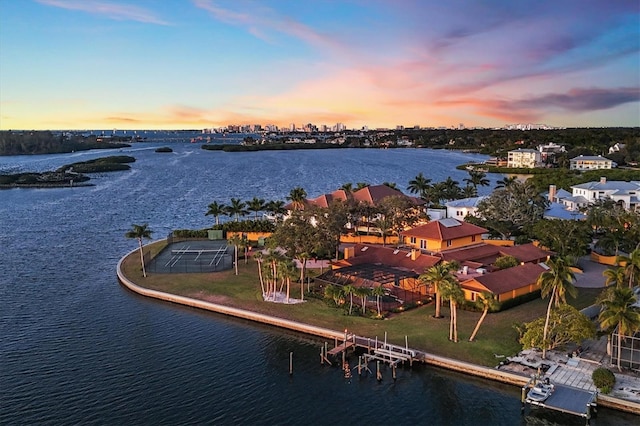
373	194
509	279
436	230
385	256
476	252
526	253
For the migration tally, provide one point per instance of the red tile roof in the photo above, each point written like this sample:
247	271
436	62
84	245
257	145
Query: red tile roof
373	194
476	252
436	230
385	256
526	253
510	279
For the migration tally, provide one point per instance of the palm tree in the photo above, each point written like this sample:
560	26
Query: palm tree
378	292
487	301
631	266
347	187
420	185
256	205
385	225
349	290
451	290
276	207
259	257
361	185
619	311
363	293
438	276
216	209
139	232
391	185
297	197
557	281
235	241
506	181
614	276
333	292
236	208
451	189
477	178
469	191
288	270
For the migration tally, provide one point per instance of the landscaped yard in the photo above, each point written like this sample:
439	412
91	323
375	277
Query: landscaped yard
497	335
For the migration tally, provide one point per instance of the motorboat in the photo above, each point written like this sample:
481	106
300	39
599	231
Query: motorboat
540	391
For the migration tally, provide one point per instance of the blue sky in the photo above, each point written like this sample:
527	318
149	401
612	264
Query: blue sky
147	64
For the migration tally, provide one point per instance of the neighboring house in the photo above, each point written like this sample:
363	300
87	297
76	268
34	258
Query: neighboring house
562	205
372	195
505	284
617	147
443	234
483	256
524	158
626	194
590	162
549	150
459	209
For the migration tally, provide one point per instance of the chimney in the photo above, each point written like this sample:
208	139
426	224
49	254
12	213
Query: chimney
415	254
348	252
552	193
603	179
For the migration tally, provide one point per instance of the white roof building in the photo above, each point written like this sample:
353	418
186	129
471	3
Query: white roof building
626	194
591	162
459	209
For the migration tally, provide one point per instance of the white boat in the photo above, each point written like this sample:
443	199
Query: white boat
540	392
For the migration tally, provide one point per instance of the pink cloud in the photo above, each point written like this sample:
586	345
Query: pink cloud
120	12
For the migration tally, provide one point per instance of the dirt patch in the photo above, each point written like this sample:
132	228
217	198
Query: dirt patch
212	298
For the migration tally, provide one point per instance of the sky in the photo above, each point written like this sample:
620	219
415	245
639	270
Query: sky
195	64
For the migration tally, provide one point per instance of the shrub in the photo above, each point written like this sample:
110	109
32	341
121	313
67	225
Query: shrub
164	149
603	379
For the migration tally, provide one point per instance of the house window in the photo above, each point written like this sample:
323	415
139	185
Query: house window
474	296
423	244
473	238
412	240
448	243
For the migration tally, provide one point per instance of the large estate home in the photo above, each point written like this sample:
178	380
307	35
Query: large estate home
443	234
372	195
397	269
524	158
590	162
625	194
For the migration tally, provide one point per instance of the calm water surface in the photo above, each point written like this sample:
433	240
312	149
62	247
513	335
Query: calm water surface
77	348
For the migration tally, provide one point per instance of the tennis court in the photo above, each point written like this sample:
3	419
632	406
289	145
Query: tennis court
193	256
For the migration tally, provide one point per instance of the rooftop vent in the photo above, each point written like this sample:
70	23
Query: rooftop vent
449	222
396	251
365	248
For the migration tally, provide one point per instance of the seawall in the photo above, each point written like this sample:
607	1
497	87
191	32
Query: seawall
443	362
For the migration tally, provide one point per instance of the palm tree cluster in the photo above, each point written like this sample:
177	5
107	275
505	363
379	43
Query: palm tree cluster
619	310
449	189
340	293
238	208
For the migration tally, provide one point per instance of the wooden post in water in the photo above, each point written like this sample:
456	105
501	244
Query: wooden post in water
290	363
393	372
321	355
378	373
359	365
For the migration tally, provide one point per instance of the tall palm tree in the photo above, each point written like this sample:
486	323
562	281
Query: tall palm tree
289	271
363	293
469	191
297	197
619	311
216	209
420	185
236	208
506	181
258	256
487	301
631	266
451	189
452	291
139	232
378	292
276	207
614	276
391	185
477	178
438	276
256	205
361	185
235	241
347	187
555	282
349	290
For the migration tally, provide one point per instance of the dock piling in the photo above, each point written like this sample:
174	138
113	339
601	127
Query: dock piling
290	363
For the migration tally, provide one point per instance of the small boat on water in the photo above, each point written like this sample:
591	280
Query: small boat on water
540	391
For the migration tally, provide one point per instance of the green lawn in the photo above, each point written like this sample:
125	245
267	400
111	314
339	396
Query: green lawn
496	336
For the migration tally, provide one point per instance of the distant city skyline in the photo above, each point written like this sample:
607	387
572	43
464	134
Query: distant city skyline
198	64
